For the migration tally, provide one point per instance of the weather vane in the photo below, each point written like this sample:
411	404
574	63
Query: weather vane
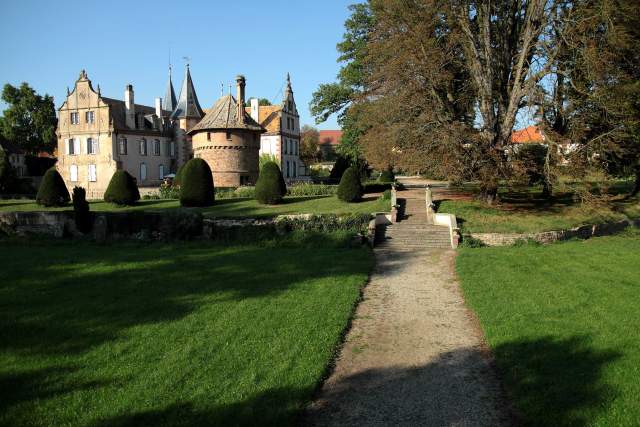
187	59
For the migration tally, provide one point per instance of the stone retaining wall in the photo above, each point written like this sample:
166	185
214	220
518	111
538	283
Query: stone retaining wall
167	225
583	232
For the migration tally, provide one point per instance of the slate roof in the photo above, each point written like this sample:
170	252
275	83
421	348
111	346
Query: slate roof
224	115
188	105
118	113
169	102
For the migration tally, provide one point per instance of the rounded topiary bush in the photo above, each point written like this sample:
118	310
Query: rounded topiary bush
52	191
178	177
270	188
339	167
350	188
387	176
196	184
122	189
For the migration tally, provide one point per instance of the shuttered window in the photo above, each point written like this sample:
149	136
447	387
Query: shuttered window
161	171
143	172
73	173
93	175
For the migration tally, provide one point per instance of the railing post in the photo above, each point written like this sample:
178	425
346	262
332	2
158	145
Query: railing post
429	204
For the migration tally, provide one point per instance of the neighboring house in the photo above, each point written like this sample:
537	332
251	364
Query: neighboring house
328	141
535	135
282	136
15	154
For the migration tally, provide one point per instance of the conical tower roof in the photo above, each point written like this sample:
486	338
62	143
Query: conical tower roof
188	106
224	115
169	102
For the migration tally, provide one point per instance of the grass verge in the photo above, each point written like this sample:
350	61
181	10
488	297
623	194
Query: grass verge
181	334
562	323
230	207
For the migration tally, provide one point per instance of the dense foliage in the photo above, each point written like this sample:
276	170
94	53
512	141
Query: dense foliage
196	187
122	189
7	174
387	175
52	191
270	188
350	188
29	119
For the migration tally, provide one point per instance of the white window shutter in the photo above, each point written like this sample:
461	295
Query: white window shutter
76	145
66	146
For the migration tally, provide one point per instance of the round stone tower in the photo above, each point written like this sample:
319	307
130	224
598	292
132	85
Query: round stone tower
228	139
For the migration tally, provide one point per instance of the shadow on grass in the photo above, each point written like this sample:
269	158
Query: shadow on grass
64	298
556	381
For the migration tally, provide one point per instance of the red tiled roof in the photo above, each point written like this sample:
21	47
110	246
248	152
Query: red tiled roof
330	137
528	135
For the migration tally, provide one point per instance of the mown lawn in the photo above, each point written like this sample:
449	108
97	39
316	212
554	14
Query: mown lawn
562	322
232	207
183	334
522	212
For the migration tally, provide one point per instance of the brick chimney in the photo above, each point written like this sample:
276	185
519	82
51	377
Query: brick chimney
240	84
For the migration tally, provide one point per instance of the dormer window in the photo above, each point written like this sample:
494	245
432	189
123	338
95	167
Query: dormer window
74	118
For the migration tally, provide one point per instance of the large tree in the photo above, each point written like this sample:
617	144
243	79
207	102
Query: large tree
29	120
339	97
309	139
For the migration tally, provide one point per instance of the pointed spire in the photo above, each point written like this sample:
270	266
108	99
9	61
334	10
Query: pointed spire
188	105
169	101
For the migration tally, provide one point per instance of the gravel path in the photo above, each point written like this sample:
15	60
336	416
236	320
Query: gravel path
414	355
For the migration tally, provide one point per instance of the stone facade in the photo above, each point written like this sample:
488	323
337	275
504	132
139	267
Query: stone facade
281	138
99	135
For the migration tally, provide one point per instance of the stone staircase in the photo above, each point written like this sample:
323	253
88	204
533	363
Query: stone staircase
411	236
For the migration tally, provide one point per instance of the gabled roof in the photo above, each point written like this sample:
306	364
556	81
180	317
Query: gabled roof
268	117
528	135
329	137
188	105
169	102
224	115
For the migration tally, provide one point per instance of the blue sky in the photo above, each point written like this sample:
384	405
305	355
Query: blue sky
47	43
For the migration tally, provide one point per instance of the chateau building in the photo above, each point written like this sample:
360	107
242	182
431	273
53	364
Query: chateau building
99	135
282	136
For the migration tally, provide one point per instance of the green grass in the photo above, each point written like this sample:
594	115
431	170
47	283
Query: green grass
231	207
521	212
183	334
562	322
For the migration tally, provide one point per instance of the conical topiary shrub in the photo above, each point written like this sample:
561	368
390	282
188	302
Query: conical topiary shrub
270	188
196	184
122	189
81	212
178	177
52	191
350	188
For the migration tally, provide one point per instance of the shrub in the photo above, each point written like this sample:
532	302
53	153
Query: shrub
52	191
375	187
387	176
81	213
339	168
308	189
350	188
122	189
169	191
326	223
266	158
196	186
269	188
386	195
178	177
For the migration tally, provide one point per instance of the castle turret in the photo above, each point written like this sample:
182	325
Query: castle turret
188	106
169	101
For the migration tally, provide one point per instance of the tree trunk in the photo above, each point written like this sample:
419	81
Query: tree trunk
547	189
